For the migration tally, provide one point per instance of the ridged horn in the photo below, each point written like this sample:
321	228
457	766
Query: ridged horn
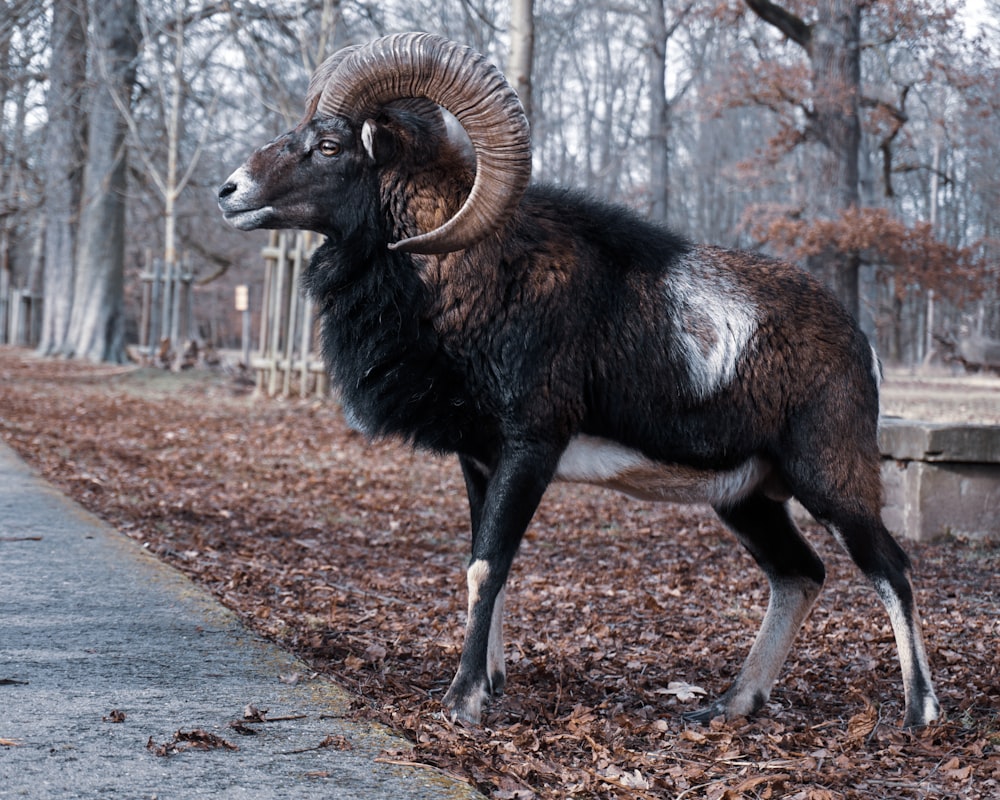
461	80
322	76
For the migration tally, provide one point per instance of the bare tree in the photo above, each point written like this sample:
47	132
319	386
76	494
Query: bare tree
24	34
627	99
173	89
832	43
661	30
63	167
96	330
522	50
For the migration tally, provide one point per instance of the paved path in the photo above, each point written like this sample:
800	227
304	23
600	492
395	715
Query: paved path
90	624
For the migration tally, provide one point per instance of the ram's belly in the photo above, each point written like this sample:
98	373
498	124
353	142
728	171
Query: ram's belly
601	462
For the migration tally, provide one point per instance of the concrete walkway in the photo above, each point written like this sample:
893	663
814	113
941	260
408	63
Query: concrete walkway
90	624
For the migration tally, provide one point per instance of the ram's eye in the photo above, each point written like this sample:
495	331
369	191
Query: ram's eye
329	148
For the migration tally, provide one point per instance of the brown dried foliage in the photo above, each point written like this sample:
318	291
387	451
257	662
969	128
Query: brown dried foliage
912	254
189	740
352	554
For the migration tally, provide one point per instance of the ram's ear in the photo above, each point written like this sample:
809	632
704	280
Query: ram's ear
378	141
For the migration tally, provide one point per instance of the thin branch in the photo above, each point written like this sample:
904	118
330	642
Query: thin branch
898	112
899	118
130	122
789	24
202	137
222	263
902	169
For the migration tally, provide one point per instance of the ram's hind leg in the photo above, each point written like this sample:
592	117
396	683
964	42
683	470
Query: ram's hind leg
886	565
848	502
795	574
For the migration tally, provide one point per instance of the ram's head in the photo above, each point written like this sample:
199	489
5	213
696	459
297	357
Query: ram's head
323	172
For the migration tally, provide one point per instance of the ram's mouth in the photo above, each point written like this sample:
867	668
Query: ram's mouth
248	219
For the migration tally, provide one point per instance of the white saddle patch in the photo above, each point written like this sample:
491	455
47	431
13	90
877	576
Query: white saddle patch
715	322
602	462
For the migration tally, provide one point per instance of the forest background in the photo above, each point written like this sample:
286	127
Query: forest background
857	137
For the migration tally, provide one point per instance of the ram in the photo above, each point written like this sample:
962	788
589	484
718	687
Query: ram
541	335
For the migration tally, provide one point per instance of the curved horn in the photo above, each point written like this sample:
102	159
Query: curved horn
321	77
470	87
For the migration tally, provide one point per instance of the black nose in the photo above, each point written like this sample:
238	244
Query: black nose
226	189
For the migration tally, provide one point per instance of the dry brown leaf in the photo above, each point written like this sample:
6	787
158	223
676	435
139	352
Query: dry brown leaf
338	572
861	725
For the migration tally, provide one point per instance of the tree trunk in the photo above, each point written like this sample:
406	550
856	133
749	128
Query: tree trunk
833	45
522	51
64	147
835	55
4	285
97	323
659	113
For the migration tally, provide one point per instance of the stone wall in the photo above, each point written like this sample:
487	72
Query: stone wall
941	479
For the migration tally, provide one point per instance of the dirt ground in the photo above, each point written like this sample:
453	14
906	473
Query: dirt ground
939	396
621	615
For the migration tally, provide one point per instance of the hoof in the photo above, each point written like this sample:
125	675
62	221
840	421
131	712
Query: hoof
732	705
464	701
497	682
923	713
704	715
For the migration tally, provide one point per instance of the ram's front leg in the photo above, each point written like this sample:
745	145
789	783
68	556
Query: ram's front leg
477	479
473	684
509	497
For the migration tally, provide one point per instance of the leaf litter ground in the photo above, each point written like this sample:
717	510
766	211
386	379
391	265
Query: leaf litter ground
351	553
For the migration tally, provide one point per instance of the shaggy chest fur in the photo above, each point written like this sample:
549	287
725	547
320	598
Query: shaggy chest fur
394	373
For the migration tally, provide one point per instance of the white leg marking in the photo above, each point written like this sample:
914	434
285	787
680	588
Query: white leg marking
910	647
496	670
837	535
787	608
478	572
465	697
912	658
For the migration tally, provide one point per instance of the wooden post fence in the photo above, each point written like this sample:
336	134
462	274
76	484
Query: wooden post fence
167	308
288	360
